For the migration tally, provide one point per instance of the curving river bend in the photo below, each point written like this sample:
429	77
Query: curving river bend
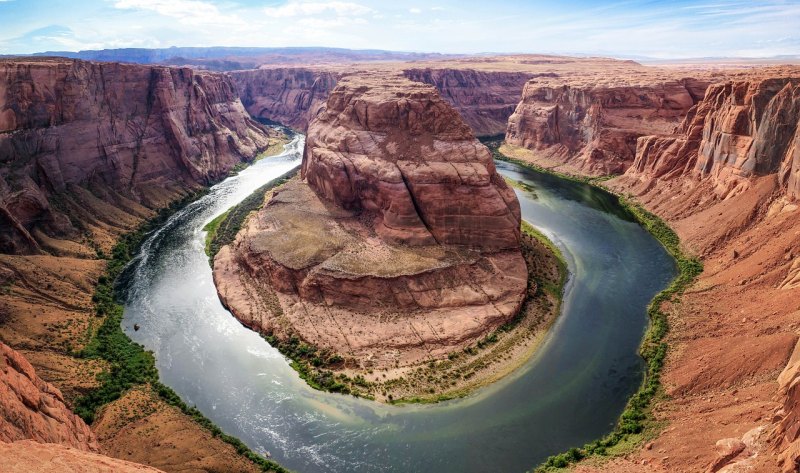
570	392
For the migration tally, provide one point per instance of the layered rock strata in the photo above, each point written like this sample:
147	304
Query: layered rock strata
741	130
87	152
726	182
401	242
294	95
593	128
84	147
31	408
484	99
291	96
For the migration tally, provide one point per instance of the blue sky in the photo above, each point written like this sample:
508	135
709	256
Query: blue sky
665	29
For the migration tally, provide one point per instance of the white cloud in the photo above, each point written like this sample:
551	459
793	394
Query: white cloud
300	8
190	12
415	11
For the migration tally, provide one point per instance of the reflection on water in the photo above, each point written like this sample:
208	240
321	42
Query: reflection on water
569	393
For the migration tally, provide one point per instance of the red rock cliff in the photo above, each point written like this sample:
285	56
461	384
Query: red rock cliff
294	95
727	182
394	147
291	96
484	99
31	408
593	127
75	135
402	234
741	130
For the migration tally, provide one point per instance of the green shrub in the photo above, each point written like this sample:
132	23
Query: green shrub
130	364
653	349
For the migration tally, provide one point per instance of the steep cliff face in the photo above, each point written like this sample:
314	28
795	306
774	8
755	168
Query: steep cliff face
394	147
76	136
401	213
741	130
484	99
31	408
593	128
294	95
726	181
291	96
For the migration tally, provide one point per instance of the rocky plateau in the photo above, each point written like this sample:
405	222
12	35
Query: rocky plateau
400	242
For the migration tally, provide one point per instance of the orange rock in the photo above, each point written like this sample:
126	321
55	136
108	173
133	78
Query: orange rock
26	456
401	245
31	408
595	127
395	148
128	134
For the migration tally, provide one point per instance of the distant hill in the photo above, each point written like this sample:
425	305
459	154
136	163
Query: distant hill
231	58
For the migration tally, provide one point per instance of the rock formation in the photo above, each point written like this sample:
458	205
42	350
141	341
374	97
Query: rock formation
34	409
593	127
741	130
401	243
726	182
76	136
26	456
291	96
294	95
484	99
394	147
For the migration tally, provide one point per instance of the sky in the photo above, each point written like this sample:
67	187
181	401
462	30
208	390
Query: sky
658	29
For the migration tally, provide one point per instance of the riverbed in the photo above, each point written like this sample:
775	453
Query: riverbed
570	392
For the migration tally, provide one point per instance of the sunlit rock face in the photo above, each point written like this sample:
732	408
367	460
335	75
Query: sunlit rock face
80	141
400	230
741	130
593	127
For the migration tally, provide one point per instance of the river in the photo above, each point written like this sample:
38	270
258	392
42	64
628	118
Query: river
570	392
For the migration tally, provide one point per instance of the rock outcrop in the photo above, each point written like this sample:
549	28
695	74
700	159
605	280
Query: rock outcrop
741	130
294	95
31	408
725	180
27	456
82	143
291	96
394	147
593	128
400	245
484	99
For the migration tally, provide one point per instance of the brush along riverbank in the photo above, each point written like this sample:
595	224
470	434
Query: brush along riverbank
636	424
497	353
502	351
131	369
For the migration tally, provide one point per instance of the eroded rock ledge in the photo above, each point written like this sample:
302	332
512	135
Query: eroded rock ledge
89	149
400	244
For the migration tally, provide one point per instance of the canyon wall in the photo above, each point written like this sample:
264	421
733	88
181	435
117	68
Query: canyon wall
484	99
726	180
402	213
742	130
291	96
87	152
294	95
591	125
85	146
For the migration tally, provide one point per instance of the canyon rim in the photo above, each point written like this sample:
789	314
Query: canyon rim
374	231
